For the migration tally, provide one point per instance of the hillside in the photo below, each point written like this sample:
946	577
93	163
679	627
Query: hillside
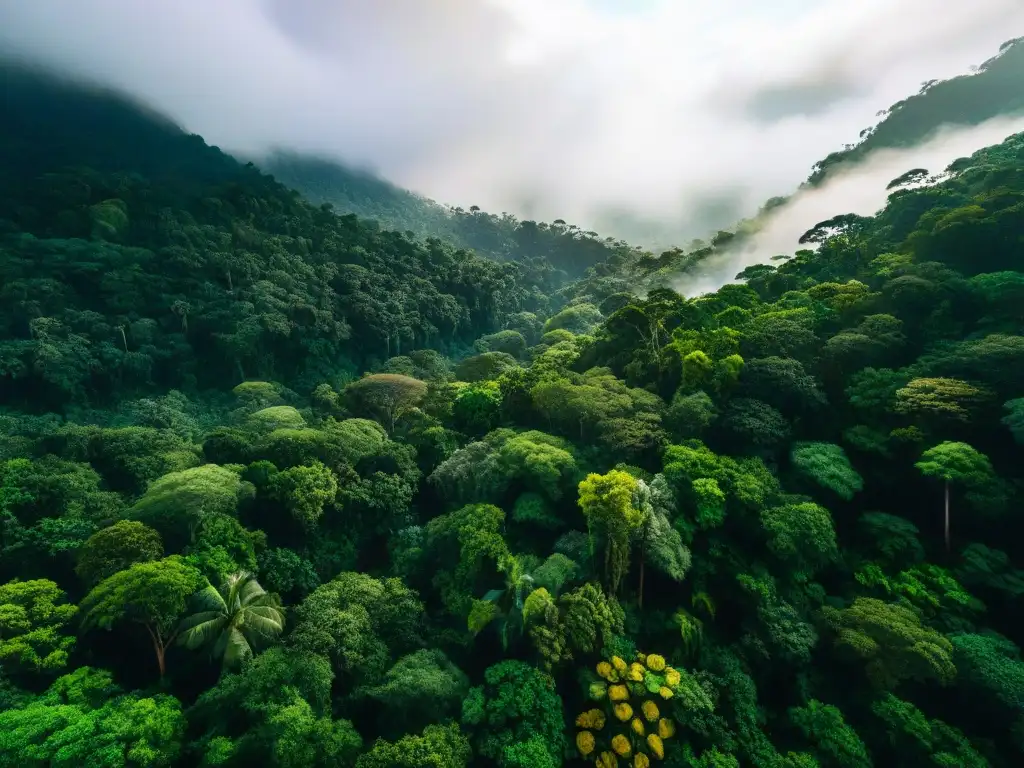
280	487
995	88
565	247
136	257
359	192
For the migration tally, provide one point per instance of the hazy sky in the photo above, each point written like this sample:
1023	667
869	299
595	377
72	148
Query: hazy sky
552	108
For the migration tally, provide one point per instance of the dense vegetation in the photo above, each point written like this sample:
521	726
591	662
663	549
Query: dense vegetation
566	247
993	89
278	487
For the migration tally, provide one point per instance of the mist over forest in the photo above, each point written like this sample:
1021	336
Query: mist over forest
516	385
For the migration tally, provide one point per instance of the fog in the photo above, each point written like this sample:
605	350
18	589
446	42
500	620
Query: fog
859	189
684	114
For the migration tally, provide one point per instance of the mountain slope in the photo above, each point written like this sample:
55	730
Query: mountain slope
996	88
359	192
137	257
566	248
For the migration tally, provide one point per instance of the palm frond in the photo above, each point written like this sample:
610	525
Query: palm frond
236	649
263	620
200	629
250	591
208	599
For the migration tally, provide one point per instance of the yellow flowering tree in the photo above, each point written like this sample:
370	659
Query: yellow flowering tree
626	726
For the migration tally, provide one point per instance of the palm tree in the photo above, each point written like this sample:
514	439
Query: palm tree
236	618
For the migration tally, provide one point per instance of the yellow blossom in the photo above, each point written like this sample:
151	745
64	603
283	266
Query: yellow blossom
618	693
666	728
666	693
604	669
585	742
656	745
623	711
650	711
636	673
593	718
641	657
672	677
640	760
607	760
619	664
638	726
655	663
621	746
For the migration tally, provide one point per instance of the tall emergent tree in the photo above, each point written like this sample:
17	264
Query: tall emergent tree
955	463
607	502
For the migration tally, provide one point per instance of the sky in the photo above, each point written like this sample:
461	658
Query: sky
689	113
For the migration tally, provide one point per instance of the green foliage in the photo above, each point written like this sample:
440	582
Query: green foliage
802	533
608	504
420	688
115	548
385	396
203	374
83	719
234	619
516	705
304	491
438	747
835	742
359	623
893	642
826	464
176	504
153	594
33	620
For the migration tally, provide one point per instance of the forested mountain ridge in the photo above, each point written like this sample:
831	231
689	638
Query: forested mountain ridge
565	247
995	88
239	524
137	257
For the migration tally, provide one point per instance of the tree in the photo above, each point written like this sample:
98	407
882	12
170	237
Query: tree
420	688
153	594
607	503
827	465
175	504
304	491
1014	419
515	704
893	642
84	719
359	623
439	746
660	542
115	548
938	399
235	618
955	463
802	533
33	618
836	742
385	396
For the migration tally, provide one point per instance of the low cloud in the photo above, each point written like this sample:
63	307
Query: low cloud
859	189
680	114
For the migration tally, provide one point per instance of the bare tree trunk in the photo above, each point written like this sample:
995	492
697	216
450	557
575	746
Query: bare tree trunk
643	558
947	516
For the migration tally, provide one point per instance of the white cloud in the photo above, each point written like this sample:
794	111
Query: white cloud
556	108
